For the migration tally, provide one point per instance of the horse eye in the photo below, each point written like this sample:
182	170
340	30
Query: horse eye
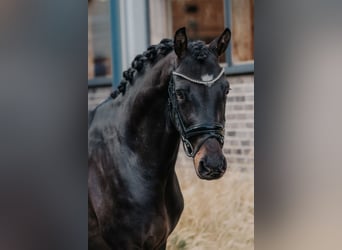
180	95
227	90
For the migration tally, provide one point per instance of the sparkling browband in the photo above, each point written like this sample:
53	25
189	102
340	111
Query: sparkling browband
207	83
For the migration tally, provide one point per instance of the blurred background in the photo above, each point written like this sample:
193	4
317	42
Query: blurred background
43	130
119	30
219	214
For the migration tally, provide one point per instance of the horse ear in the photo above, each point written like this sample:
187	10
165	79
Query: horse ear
180	42
220	44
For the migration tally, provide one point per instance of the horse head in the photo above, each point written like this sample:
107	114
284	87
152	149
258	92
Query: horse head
197	98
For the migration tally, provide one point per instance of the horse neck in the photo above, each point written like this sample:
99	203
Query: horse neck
149	131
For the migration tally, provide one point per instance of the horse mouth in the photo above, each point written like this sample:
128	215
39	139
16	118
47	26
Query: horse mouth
210	175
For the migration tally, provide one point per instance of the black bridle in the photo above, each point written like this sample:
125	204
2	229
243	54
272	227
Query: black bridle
211	130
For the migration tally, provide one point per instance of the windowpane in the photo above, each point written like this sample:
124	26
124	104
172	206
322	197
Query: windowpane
99	40
242	18
204	20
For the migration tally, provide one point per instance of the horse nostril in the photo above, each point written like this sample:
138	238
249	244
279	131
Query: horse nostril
203	167
223	165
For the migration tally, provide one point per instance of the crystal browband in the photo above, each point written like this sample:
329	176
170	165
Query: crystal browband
207	83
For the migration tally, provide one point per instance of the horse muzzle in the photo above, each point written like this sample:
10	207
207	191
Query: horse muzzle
209	161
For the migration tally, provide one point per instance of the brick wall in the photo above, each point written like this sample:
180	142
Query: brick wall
239	140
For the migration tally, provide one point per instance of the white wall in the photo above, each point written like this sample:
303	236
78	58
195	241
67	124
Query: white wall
161	22
134	29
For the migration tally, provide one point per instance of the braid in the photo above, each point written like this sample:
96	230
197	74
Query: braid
165	47
149	56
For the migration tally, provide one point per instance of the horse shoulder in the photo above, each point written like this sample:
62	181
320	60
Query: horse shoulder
173	200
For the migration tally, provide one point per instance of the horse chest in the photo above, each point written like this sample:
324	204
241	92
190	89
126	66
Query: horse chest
156	230
151	223
141	228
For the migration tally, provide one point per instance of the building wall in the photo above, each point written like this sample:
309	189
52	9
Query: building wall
240	123
97	95
239	139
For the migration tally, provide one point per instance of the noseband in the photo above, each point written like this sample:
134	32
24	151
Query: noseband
211	130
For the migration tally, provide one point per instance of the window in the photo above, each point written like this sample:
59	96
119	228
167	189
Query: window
118	30
99	42
205	20
117	33
240	53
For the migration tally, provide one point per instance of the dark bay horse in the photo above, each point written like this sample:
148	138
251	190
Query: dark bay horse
175	91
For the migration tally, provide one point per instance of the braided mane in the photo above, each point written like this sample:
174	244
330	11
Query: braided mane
198	50
149	56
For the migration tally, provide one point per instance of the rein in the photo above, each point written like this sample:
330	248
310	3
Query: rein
215	130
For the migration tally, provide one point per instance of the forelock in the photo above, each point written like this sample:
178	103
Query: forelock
198	50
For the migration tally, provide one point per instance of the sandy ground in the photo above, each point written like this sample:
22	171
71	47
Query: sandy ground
217	214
